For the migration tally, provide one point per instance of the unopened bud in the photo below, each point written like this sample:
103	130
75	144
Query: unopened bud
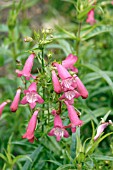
28	39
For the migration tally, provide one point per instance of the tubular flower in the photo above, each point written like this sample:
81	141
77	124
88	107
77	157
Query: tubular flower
62	71
56	83
2	107
90	19
14	105
58	129
27	68
69	62
101	128
31	127
81	88
31	96
74	119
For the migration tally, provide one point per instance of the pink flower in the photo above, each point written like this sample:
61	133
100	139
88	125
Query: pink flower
62	71
31	96
81	88
112	2
74	83
58	129
91	18
69	96
27	68
2	107
74	119
101	128
31	127
14	105
56	83
69	62
69	84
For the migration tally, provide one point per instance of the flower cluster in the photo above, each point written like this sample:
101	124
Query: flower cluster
70	87
30	96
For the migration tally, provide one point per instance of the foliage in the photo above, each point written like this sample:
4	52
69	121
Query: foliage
67	33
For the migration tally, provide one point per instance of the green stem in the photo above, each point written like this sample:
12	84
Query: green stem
13	45
78	39
43	72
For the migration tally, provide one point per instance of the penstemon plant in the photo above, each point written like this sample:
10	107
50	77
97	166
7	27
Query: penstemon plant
54	95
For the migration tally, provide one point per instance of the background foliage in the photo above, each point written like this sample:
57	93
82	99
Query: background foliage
94	47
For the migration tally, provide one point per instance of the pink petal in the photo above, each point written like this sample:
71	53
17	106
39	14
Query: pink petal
100	129
32	87
58	138
31	127
24	100
51	133
62	72
69	62
20	73
91	18
2	107
75	121
39	99
58	121
15	103
54	112
28	65
32	105
56	83
73	129
66	134
81	88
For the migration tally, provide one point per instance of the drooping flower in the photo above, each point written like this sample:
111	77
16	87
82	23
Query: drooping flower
90	19
62	71
31	127
74	119
101	128
14	105
58	130
81	88
2	107
26	72
69	62
31	96
56	83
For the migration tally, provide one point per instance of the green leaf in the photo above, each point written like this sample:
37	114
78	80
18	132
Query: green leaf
73	146
92	146
83	13
55	162
106	115
70	34
94	31
102	157
3	157
65	166
21	158
96	113
101	73
33	157
65	46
